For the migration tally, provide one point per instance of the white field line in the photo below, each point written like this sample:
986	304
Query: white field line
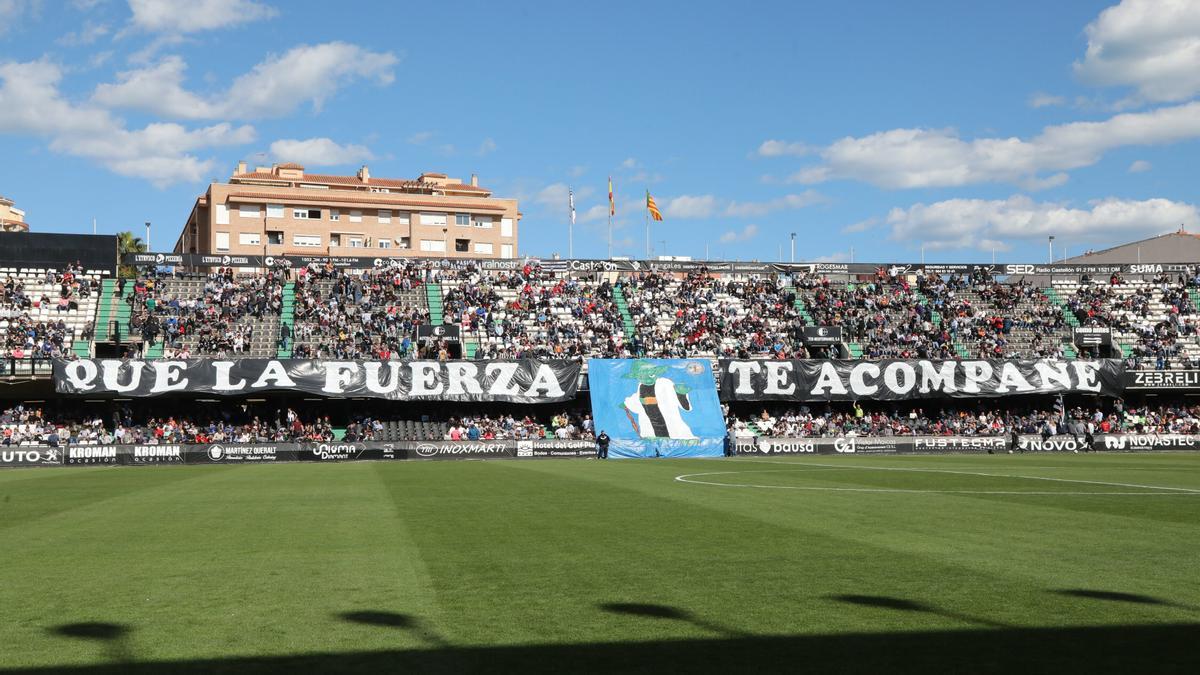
1162	490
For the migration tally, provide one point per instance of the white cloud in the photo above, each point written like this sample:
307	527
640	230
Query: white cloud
12	11
1150	45
774	148
488	146
192	16
88	34
31	104
922	158
1041	100
86	5
158	89
832	258
319	152
860	226
577	170
786	202
709	206
275	87
554	197
419	138
746	234
630	163
1139	166
967	223
691	206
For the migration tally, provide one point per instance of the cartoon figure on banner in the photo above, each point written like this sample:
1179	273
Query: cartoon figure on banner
656	406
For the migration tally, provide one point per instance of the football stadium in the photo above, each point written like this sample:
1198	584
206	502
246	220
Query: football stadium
335	421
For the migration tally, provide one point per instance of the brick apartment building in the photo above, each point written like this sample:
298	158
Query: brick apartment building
281	210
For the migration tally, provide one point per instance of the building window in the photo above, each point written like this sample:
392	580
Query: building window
385	243
249	211
385	216
275	237
462	245
274	210
462	219
334	214
312	186
404	242
222	241
433	245
486	249
249	238
335	240
506	250
484	222
306	214
306	240
356	242
506	227
222	214
356	216
433	219
402	218
379	189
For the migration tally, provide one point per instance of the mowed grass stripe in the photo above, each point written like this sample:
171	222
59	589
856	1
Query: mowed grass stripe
1044	542
267	559
240	560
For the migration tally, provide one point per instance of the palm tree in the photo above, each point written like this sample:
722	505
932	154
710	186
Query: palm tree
127	243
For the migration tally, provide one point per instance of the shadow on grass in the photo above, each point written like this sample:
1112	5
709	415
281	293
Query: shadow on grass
904	605
113	637
1167	648
405	622
653	611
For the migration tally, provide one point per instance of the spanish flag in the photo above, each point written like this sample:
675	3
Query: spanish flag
612	205
652	207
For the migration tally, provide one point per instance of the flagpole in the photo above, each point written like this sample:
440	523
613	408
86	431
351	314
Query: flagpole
647	214
570	223
610	234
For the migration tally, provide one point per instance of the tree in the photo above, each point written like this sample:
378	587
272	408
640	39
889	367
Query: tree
127	243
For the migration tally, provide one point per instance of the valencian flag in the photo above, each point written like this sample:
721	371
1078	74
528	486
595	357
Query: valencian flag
652	207
612	205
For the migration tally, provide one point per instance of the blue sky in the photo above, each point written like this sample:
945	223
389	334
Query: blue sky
961	128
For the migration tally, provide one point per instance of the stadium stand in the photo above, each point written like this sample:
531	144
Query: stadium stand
47	312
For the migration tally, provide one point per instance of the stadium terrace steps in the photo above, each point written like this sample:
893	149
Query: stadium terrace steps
108	289
623	307
856	350
433	296
288	318
799	304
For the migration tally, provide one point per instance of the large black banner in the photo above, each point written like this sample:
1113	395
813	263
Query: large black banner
846	380
521	381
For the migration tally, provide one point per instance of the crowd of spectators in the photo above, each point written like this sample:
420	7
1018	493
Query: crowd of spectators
562	426
703	315
217	319
28	332
532	313
358	314
854	419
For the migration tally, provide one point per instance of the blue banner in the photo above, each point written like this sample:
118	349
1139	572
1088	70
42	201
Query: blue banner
657	407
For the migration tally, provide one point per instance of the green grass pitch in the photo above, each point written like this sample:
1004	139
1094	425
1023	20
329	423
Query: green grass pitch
1025	563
